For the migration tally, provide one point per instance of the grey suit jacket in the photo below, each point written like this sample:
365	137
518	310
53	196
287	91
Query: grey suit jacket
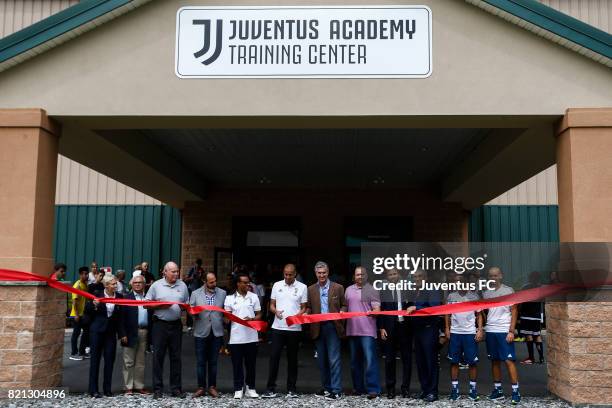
207	320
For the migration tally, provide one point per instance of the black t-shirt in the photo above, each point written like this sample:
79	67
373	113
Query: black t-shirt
95	287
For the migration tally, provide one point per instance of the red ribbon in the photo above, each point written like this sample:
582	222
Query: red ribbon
9	275
528	295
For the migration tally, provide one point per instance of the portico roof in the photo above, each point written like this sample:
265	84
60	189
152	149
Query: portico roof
88	14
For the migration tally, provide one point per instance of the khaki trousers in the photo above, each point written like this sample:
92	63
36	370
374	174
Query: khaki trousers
134	362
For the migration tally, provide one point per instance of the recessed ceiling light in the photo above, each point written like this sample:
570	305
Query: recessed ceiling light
264	180
424	148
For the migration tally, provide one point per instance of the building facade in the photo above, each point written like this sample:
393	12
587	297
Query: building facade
301	168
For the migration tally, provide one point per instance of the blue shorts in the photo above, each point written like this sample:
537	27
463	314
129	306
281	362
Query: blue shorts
498	348
463	349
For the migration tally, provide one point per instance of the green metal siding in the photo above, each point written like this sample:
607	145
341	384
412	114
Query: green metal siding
515	223
501	224
119	236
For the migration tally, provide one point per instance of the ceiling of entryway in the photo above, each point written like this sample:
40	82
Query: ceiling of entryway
318	158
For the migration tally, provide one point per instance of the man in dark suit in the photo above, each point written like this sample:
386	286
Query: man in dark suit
326	296
395	332
426	338
104	330
136	325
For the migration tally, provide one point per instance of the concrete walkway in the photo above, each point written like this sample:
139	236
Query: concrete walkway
532	378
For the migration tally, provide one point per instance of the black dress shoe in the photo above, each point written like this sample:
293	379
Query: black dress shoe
179	394
158	395
391	394
108	394
95	395
405	393
430	398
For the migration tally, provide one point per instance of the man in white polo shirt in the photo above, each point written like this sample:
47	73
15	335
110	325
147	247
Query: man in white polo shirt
289	298
243	339
501	322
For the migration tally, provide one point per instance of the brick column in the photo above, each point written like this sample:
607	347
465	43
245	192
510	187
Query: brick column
32	316
580	334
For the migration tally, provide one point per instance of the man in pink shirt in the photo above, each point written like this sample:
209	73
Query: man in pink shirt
361	332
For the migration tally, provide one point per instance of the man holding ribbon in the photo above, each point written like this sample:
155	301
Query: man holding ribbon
501	322
288	298
167	328
326	296
361	332
395	333
207	333
426	334
243	340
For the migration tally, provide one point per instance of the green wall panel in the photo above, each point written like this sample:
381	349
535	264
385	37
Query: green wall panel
520	223
119	236
514	223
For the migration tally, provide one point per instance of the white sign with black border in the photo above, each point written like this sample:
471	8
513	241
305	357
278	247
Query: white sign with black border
304	42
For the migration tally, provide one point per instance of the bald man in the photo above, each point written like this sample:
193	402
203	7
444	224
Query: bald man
501	322
167	329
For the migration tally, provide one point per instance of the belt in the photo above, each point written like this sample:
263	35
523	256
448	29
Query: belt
157	319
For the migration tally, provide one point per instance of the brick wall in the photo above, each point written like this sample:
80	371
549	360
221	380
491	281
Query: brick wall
208	224
32	336
580	351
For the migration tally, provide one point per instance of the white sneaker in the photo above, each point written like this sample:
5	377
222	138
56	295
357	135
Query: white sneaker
251	393
238	394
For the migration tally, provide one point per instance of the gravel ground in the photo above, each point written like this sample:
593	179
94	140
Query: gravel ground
81	400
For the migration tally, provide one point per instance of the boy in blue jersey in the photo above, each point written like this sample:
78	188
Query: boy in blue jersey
463	334
499	329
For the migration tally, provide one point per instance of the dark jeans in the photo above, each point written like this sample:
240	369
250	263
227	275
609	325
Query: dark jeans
167	336
364	364
398	336
102	344
329	358
78	328
189	320
280	339
426	353
243	356
207	354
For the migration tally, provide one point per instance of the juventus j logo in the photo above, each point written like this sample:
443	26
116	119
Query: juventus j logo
206	47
